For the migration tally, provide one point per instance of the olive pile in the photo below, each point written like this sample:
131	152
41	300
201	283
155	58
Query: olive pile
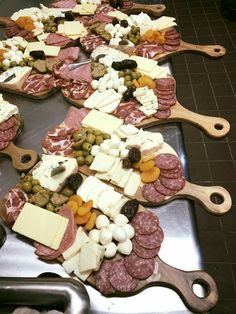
51	23
84	139
133	35
129	76
46	199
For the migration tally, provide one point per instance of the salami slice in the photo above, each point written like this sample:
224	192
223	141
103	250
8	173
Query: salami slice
150	241
145	222
166	161
162	114
8	135
172	171
138	267
162	107
172	175
144	252
102	281
151	195
170	48
172	36
173	42
8	124
167	83
75	116
167	102
120	279
3	144
171	31
162	189
173	184
169	95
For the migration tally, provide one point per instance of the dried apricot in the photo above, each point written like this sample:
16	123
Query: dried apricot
77	199
148	165
150	175
83	210
91	223
81	220
29	27
73	205
146	80
88	204
21	21
136	83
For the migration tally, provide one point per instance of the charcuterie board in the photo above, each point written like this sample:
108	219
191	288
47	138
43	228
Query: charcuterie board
151	9
22	159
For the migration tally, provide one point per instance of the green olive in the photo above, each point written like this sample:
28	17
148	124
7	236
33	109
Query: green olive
36	188
80	160
56	209
13	64
5	67
53	29
88	160
22	63
67	191
138	75
78	144
90	138
85	153
87	146
128	84
99	139
127	78
106	136
89	130
50	207
121	73
135	41
97	132
27	186
78	153
77	136
28	178
35	181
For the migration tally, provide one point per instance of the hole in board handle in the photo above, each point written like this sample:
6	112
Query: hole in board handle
201	288
217	49
25	159
217	198
218	126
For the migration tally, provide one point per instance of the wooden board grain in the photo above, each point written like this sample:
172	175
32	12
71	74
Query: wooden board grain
151	9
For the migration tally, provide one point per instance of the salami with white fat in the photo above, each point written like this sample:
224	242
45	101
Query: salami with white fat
102	281
162	189
163	114
150	241
166	161
145	222
144	252
8	124
173	184
151	195
138	267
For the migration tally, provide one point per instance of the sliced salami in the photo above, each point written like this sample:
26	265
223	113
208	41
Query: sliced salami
171	31
166	96
102	281
120	279
150	241
151	195
173	42
138	267
104	9
8	135
172	175
172	36
170	48
162	189
15	200
173	184
145	222
165	83
8	124
172	171
69	4
166	161
163	107
90	42
162	114
3	144
75	116
167	102
144	252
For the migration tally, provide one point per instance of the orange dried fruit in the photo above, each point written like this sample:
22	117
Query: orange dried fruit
91	222
150	175
136	84
81	220
29	27
77	199
73	205
146	80
146	166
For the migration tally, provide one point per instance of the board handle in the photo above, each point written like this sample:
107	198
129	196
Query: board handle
216	127
206	196
4	20
22	159
183	283
215	51
152	9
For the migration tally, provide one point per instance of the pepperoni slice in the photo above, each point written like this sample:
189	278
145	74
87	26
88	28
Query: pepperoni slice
101	279
8	124
166	161
120	279
150	241
173	184
144	252
162	114
162	189
138	267
8	135
145	222
150	194
172	175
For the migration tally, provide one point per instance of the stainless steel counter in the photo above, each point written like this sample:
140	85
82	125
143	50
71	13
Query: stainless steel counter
179	249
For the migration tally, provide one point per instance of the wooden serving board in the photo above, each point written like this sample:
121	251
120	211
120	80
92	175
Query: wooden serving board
215	127
22	159
151	9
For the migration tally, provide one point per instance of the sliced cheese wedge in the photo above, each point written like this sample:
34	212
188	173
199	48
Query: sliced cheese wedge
102	162
87	187
132	184
71	264
96	98
111	107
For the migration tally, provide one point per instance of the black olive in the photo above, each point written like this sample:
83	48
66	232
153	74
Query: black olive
120	3
126	163
124	23
113	3
74	181
37	54
134	154
129	64
117	65
128	94
59	18
130	208
115	21
69	16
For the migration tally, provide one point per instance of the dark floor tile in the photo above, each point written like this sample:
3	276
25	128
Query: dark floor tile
191	133
222	89
215	67
180	68
205	103
224	40
209	241
230	186
231	240
230	115
202	90
195	152
222	170
225	306
232	75
182	79
234	271
226	102
184	90
199	171
229	220
197	68
233	149
206	38
230	66
219	78
232	134
199	78
179	59
218	151
205	220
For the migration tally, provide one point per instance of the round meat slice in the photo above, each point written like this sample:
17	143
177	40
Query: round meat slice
160	188
162	114
138	267
172	171
166	161
172	175
171	31
150	194
165	83
145	222
8	135
150	241
144	252
170	48
8	124
173	184
120	279
169	102
101	278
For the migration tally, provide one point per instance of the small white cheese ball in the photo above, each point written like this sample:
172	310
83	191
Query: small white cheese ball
109	84
6	62
112	227
122	145
105	236
110	250
109	27
120	220
116	83
129	231
101	87
125	247
115	141
104	147
114	152
95	150
119	34
94	235
119	234
94	84
124	153
102	221
117	26
122	89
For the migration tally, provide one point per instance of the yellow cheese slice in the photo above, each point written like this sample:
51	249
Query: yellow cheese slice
73	27
118	14
85	8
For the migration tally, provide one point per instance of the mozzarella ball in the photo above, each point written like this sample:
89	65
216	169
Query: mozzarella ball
95	150
6	62
119	234
124	153
104	147
101	87
112	227
114	152
94	84
116	84
94	235
109	84
109	27
102	221
110	250
105	236
122	145
129	230
115	140
120	220
125	247
119	34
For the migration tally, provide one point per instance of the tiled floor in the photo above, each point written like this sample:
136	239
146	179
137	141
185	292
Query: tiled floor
208	86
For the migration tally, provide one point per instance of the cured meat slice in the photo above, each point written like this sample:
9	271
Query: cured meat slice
148	50
15	200
36	83
70	4
166	96
144	252
165	83
173	184
4	145
124	109
102	281
127	4
75	116
104	9
50	145
70	54
82	73
171	31
162	114
138	267
150	194
172	42
145	222
120	279
77	90
162	189
172	171
165	92
172	36
170	47
9	134
91	42
152	240
12	29
172	175
162	107
68	239
166	161
57	40
8	124
134	117
167	102
60	132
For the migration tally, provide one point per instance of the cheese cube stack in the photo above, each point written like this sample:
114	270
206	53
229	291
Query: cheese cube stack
18	74
147	99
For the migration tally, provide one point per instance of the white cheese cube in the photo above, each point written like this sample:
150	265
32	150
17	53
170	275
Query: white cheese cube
102	162
71	264
133	184
85	189
80	239
91	255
